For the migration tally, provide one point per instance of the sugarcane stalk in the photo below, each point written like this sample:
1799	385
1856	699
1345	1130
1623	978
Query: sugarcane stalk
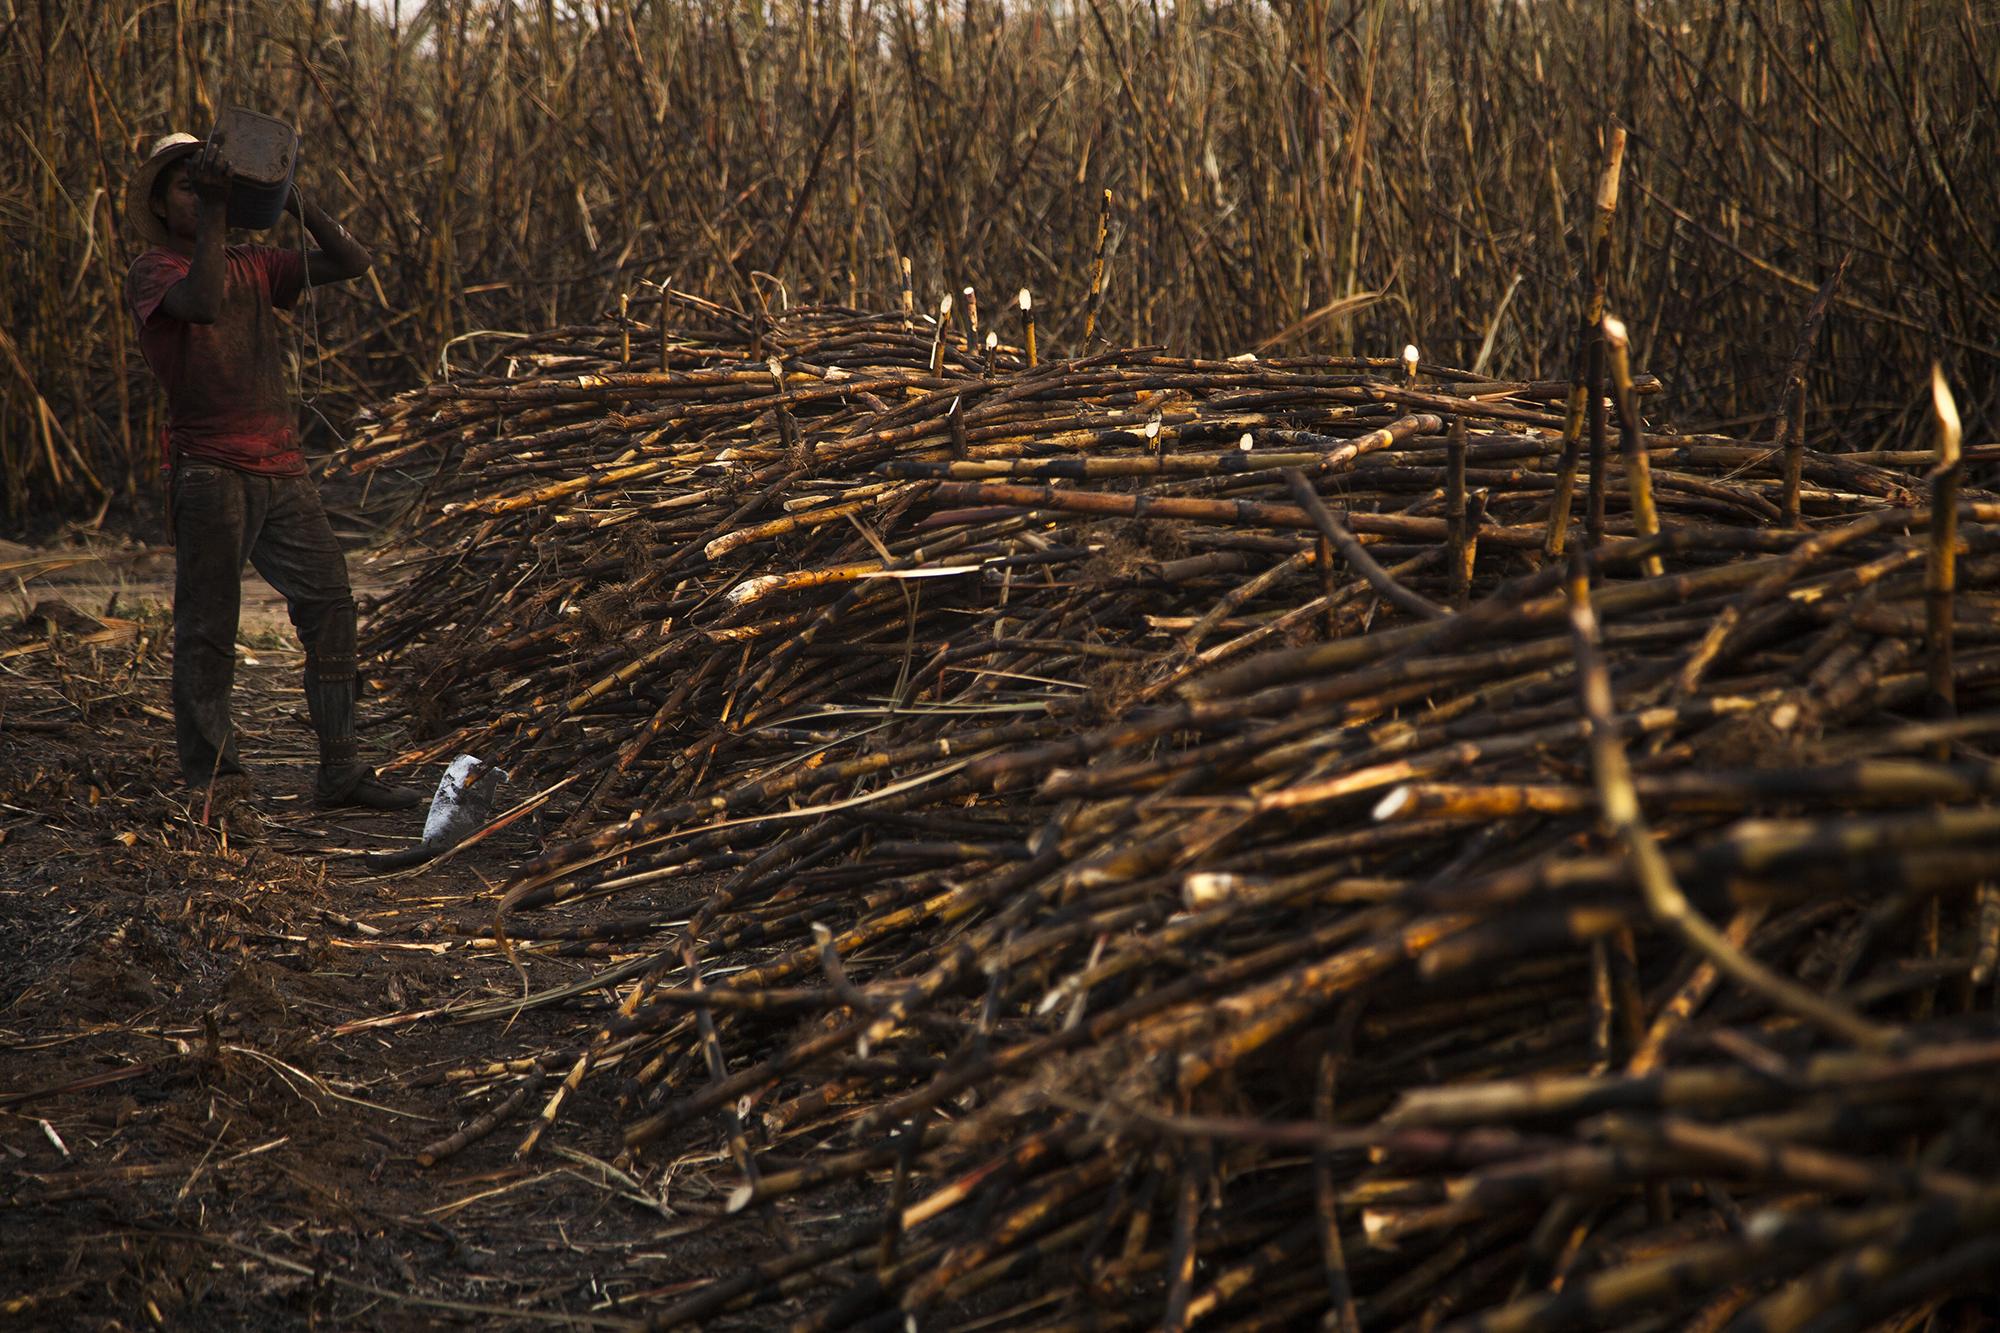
1638	466
1864	782
433	1153
1791	414
1669	905
1187	1220
1590	340
1455	516
666	343
1351	550
1940	573
1097	268
937	338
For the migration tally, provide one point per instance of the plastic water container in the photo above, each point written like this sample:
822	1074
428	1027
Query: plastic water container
262	150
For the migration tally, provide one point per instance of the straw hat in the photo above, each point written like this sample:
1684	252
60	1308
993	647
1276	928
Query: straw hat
167	150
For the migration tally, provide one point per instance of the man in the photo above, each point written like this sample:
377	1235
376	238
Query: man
236	486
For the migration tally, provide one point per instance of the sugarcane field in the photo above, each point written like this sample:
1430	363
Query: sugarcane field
1000	664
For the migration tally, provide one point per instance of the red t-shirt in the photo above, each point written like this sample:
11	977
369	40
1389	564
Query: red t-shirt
227	400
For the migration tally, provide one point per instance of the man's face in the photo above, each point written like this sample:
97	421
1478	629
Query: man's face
176	204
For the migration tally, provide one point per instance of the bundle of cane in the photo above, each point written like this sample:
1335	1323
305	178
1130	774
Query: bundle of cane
586	585
1360	961
1135	981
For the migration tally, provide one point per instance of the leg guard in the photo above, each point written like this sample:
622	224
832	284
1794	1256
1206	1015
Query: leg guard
330	698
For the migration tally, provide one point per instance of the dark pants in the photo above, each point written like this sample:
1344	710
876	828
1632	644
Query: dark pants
223	517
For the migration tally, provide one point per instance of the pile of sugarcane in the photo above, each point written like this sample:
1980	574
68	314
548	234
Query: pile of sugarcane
1241	841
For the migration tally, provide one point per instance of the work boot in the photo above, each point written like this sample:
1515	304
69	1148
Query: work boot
228	767
343	779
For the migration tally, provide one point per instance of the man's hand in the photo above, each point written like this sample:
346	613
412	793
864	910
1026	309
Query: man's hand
197	298
210	174
339	257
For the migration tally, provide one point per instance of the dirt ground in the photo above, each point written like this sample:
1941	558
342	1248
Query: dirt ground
224	1041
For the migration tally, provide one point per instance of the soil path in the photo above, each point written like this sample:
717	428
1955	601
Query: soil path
223	1043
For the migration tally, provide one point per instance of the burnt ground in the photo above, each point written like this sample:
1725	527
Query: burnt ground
223	1041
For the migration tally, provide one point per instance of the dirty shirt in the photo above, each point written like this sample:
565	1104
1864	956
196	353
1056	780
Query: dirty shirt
227	401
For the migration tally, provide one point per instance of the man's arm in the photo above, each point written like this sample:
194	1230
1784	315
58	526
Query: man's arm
340	258
197	298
